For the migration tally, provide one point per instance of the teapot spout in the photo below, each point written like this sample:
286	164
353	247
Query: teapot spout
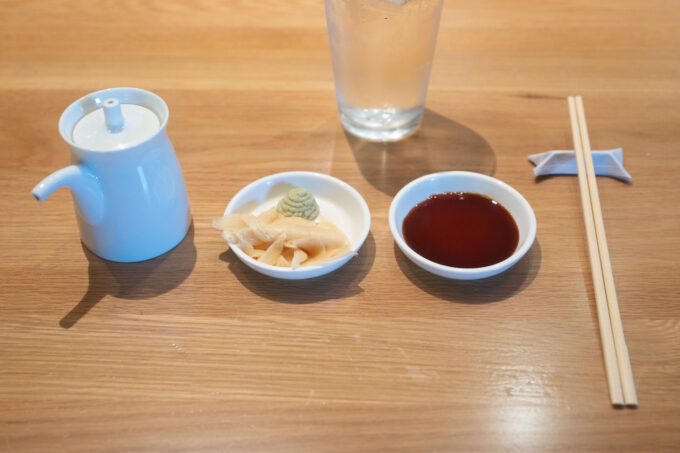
84	186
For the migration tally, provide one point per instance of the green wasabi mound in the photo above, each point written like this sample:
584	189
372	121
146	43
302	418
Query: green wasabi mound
299	203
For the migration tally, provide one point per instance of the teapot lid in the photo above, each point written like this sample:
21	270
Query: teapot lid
115	126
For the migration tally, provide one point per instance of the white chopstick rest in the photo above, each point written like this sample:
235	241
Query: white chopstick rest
605	163
617	362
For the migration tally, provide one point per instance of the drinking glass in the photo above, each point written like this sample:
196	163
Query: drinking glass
382	55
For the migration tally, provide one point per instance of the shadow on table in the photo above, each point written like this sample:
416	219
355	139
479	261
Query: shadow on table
134	281
339	284
439	145
492	289
540	179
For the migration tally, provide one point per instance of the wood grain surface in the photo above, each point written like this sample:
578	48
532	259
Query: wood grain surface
193	351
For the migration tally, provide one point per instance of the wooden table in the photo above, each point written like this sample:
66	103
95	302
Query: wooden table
195	352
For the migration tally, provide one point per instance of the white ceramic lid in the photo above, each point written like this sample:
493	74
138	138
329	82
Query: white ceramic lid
115	126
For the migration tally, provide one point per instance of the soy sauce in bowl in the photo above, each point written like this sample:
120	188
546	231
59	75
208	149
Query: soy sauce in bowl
461	229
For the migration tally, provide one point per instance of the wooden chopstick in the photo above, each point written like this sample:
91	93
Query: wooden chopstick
606	335
625	370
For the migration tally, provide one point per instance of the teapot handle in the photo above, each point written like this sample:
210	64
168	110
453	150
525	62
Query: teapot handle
84	185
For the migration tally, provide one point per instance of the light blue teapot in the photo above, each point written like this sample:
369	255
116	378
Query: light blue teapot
129	193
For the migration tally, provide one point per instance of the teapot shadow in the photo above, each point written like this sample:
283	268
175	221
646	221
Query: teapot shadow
339	284
483	291
134	281
440	144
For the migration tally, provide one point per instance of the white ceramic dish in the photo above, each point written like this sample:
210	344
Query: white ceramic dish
463	181
338	202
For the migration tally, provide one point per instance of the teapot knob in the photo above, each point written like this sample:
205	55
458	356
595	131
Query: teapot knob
113	115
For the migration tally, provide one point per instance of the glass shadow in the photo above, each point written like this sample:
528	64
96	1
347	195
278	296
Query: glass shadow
440	144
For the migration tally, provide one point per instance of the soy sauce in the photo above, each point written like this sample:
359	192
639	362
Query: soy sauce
461	229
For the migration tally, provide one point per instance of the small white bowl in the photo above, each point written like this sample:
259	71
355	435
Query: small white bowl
338	202
463	181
